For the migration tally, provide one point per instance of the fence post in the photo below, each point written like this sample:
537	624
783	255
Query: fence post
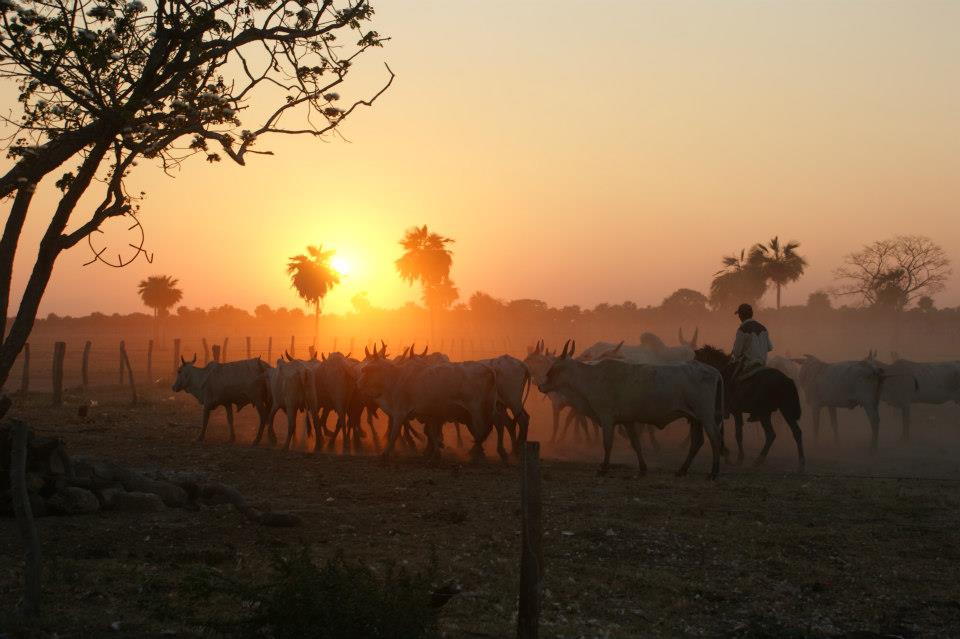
150	361
125	361
293	345
206	352
248	347
223	351
270	351
59	352
531	552
216	353
176	355
25	378
24	514
85	366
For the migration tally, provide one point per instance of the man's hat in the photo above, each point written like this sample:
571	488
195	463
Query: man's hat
744	309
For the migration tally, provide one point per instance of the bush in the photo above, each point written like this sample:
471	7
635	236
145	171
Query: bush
338	600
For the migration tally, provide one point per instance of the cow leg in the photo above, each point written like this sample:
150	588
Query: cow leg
832	410
266	417
556	422
291	426
815	410
393	429
652	434
768	436
459	436
873	414
634	437
713	435
571	417
905	434
797	437
738	433
229	410
374	435
203	425
608	432
696	441
501	450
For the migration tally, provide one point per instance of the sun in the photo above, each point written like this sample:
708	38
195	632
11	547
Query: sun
340	265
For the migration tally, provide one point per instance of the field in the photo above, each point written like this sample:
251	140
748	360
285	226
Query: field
858	546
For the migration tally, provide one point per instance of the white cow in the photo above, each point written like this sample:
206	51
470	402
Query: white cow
785	365
842	385
908	382
614	392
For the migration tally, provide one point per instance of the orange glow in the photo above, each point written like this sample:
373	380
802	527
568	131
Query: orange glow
341	265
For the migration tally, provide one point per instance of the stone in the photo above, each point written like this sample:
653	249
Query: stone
73	501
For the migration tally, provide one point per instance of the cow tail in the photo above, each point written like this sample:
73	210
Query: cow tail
491	408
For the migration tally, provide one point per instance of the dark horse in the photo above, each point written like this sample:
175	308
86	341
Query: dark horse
759	395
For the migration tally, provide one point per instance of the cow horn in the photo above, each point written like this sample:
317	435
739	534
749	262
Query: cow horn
366	351
383	346
347	356
566	348
194	360
287	355
573	347
323	357
183	362
425	349
617	349
696	334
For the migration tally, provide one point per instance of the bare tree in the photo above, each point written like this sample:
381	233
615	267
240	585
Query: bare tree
105	83
894	272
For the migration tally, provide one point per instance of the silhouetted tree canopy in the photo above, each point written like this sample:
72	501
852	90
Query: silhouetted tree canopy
741	280
685	301
894	272
778	263
104	84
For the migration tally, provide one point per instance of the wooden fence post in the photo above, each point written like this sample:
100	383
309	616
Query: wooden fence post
216	353
150	362
206	352
293	345
24	514
59	352
270	351
25	377
223	351
125	361
176	355
531	535
85	366
248	347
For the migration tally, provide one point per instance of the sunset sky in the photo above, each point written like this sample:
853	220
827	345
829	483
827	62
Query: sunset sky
579	152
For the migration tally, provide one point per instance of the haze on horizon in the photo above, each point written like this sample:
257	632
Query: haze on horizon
578	156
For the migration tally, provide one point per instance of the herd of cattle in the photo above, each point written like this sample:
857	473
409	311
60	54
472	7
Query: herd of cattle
609	386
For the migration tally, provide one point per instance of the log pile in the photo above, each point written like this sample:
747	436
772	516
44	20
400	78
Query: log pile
59	485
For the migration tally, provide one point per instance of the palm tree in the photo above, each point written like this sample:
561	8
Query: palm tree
313	277
779	263
426	259
159	292
740	280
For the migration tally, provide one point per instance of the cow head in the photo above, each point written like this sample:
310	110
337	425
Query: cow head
693	340
538	362
560	369
377	377
184	374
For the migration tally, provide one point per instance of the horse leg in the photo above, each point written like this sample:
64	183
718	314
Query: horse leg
769	435
797	437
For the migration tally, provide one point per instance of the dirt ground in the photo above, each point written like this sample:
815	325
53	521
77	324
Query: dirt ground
859	546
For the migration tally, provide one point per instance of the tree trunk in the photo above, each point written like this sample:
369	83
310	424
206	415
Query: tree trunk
316	322
778	296
28	529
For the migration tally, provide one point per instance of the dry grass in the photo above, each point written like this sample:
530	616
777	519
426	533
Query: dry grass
761	552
